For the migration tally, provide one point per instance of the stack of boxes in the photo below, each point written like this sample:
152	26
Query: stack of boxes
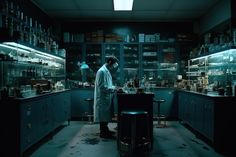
94	36
149	37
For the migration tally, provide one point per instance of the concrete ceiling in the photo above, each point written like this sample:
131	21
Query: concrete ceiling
143	10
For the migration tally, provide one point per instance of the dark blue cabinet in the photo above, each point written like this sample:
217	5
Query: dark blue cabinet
31	119
211	116
170	107
197	111
79	107
29	123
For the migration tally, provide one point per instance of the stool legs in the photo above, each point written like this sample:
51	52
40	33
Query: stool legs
90	114
160	118
158	114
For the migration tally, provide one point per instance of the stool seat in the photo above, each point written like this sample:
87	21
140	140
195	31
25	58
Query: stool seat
88	99
159	100
134	113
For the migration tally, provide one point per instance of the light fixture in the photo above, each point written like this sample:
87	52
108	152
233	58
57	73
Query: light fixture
123	5
26	49
225	52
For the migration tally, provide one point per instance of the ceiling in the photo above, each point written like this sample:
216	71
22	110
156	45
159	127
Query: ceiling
143	10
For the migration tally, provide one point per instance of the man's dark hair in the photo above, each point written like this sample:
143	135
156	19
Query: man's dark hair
111	59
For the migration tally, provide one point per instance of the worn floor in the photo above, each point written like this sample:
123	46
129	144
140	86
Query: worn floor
82	140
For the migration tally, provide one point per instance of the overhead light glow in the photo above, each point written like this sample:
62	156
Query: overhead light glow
22	48
123	5
230	51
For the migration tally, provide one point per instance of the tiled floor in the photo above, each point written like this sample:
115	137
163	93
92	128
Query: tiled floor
82	140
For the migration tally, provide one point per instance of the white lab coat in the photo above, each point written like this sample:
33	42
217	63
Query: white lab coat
103	94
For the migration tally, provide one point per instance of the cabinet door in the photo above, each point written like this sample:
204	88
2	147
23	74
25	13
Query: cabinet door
150	60
67	106
183	103
45	115
78	106
169	107
115	50
131	61
94	56
73	56
199	114
29	123
168	67
208	115
61	108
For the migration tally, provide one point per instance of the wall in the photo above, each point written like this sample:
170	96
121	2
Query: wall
31	10
233	13
217	15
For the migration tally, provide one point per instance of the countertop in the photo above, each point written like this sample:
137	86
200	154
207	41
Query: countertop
209	94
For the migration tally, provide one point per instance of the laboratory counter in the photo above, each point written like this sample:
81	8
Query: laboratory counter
26	121
211	115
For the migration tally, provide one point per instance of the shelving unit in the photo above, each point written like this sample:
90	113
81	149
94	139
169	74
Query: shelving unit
22	65
73	57
150	61
217	68
157	61
131	60
114	49
94	56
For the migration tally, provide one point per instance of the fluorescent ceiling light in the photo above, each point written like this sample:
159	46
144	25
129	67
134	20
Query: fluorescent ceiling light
123	5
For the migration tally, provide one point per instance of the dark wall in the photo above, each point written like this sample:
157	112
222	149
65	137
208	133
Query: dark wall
32	11
233	13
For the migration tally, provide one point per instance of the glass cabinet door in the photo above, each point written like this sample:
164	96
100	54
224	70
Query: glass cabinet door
94	56
114	49
213	71
131	61
168	67
150	60
73	59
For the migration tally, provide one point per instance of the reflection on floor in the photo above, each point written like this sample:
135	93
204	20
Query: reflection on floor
82	140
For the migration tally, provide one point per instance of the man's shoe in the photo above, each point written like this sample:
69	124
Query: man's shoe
111	132
106	136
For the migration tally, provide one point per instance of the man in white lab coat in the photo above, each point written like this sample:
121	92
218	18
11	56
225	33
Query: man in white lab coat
103	94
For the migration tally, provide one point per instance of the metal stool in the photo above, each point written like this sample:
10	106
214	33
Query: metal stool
134	135
160	118
90	110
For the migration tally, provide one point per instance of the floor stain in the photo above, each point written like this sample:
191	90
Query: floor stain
62	145
159	154
206	148
195	141
91	141
181	147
